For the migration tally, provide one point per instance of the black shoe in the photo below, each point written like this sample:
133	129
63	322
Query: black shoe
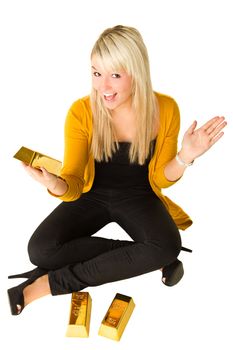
172	273
15	294
27	274
16	298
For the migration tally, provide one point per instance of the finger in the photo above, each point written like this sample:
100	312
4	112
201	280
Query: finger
192	127
218	137
45	172
33	171
209	123
217	129
25	165
215	125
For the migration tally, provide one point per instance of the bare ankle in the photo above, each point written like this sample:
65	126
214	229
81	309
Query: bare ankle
36	290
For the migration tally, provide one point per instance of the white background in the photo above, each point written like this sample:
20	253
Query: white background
45	48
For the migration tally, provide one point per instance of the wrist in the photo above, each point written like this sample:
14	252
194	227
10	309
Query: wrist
52	185
183	159
58	188
185	156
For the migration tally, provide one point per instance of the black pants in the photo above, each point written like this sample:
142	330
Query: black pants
64	243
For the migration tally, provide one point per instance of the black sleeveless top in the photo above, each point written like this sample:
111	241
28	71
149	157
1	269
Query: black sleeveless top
118	172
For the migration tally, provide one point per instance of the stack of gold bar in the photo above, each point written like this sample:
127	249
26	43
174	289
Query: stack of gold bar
117	317
38	160
80	314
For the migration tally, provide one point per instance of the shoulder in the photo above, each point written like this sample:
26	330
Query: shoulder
82	105
166	102
169	114
80	110
79	114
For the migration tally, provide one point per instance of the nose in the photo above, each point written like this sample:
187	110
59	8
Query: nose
106	85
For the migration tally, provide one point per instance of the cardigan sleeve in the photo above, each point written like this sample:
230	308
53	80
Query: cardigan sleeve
75	153
168	150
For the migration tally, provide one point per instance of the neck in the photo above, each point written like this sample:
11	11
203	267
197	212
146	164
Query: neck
123	112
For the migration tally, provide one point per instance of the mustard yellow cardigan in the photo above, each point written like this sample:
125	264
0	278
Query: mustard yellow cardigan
78	168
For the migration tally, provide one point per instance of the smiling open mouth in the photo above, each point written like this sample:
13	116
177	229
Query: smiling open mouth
109	97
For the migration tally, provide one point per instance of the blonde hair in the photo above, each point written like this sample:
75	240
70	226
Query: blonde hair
122	47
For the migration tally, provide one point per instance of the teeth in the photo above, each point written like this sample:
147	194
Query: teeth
107	95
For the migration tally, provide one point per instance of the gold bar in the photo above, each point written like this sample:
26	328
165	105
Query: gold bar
80	314
117	317
37	160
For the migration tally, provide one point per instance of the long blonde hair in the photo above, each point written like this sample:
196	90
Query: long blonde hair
122	47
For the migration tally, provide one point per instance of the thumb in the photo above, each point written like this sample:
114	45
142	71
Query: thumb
45	172
192	127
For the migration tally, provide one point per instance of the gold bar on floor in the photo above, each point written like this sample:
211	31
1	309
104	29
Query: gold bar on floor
80	314
117	317
37	160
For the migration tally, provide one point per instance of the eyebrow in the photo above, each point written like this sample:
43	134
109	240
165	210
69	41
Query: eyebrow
98	70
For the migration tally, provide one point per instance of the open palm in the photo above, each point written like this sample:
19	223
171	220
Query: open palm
197	141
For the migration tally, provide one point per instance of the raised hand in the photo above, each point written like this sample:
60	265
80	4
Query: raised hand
197	141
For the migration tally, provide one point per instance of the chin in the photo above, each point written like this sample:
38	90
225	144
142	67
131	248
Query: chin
111	106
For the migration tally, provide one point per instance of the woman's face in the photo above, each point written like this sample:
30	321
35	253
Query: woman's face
115	88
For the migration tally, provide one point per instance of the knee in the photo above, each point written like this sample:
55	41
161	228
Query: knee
33	250
171	245
165	251
37	250
171	250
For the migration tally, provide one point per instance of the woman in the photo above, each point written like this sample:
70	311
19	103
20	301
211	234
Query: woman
120	150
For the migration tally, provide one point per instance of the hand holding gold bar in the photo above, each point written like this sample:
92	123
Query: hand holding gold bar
38	160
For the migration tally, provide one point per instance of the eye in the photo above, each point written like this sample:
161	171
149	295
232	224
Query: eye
96	74
115	75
